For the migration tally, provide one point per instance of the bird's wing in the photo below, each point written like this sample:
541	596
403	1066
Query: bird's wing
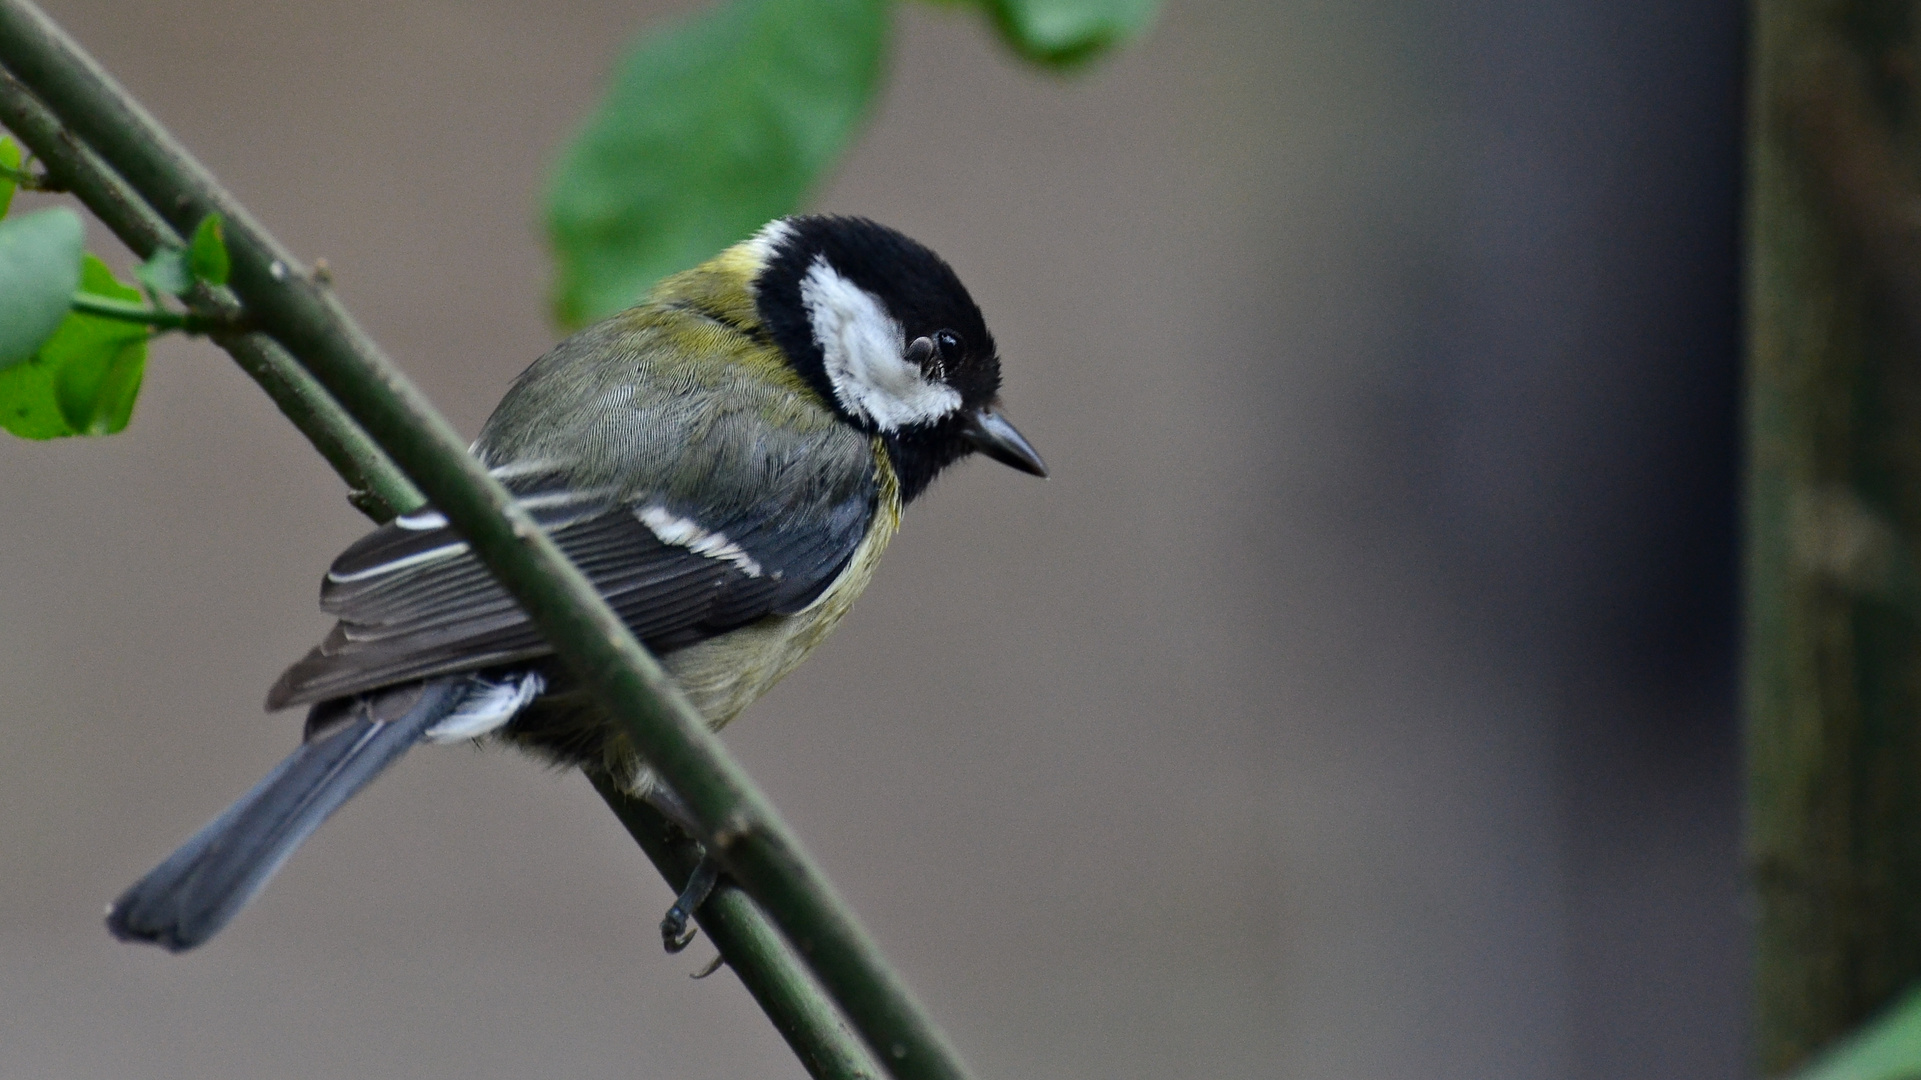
414	602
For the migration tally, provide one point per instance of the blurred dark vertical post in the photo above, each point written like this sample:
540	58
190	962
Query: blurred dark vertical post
1834	513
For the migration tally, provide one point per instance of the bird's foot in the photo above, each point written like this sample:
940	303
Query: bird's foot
676	929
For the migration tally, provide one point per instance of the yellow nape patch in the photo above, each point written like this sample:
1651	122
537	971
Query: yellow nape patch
722	286
712	310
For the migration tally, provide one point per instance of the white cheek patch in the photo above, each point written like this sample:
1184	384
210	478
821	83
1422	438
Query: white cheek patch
861	346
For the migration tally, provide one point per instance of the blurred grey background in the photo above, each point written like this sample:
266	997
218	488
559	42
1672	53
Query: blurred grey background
1354	702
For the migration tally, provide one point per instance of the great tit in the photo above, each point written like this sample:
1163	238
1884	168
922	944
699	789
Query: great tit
725	461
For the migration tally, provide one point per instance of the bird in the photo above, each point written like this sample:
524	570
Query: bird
725	462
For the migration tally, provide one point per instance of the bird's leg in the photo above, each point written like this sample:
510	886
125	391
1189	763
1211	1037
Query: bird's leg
676	929
671	806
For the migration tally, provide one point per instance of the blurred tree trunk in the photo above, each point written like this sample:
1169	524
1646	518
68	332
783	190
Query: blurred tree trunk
1834	513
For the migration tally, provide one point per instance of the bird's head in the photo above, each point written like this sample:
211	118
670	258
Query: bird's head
884	330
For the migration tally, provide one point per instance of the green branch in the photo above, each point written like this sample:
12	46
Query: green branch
742	828
375	485
792	1000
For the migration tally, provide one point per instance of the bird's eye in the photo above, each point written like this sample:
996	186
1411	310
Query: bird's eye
920	352
949	344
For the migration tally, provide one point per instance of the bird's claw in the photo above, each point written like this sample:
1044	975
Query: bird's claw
676	932
676	929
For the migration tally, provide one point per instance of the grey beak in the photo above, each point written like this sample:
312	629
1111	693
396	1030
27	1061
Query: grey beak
987	432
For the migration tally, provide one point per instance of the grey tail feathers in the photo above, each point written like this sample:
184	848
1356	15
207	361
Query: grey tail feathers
188	898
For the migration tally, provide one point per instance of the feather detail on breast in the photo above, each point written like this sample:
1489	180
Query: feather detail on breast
724	675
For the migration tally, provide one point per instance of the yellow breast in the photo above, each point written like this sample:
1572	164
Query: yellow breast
723	675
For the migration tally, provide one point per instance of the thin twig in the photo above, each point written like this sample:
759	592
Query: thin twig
375	485
187	322
743	829
27	180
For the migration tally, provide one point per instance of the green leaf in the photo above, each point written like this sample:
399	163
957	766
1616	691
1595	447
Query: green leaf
84	380
167	272
1887	1048
100	362
1066	33
10	162
97	277
207	255
712	128
173	271
39	267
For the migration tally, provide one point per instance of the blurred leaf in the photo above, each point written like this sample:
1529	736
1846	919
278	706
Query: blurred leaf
97	387
84	380
39	267
711	129
167	272
10	161
1887	1048
28	407
1065	33
207	255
